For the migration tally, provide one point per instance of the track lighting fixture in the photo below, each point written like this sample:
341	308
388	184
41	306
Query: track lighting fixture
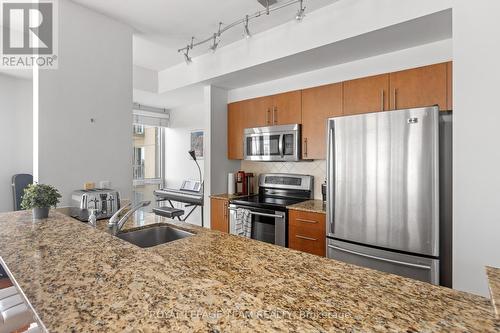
301	12
187	58
216	39
215	43
247	31
270	7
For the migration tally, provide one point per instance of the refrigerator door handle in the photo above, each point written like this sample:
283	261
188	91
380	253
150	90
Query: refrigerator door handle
331	179
397	262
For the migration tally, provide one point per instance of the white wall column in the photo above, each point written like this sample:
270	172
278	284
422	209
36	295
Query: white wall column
85	106
476	161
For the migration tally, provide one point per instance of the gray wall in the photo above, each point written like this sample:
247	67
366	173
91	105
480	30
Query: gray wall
94	80
16	136
218	166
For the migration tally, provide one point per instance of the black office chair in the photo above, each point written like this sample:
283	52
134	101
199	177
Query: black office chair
19	183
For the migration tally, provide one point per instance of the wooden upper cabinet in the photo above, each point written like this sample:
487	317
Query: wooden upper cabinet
419	87
287	108
318	104
258	111
236	119
219	215
449	85
369	94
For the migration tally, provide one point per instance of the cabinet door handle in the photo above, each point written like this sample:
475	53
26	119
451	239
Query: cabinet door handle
275	115
306	221
306	238
305	147
268	118
395	98
225	210
382	93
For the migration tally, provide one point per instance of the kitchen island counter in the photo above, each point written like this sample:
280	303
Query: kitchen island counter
82	279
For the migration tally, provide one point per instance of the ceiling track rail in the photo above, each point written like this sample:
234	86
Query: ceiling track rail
244	21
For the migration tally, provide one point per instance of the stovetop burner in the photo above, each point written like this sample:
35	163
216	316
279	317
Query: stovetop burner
269	202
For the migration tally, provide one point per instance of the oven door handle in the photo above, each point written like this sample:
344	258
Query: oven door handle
262	214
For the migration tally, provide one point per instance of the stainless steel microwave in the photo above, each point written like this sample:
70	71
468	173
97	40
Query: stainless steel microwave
272	143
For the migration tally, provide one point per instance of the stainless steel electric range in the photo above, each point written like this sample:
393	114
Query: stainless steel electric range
268	208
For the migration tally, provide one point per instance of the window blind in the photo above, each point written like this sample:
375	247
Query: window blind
150	116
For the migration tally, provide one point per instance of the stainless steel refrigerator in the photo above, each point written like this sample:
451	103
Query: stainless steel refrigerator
383	191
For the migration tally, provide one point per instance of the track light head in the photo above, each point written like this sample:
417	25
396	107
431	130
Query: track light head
301	13
247	31
187	58
215	43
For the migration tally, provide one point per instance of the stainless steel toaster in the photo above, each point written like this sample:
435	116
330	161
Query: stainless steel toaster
105	201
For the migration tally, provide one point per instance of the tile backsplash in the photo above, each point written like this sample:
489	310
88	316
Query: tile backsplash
315	168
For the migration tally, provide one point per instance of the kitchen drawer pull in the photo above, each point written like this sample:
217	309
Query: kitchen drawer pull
397	262
306	238
306	221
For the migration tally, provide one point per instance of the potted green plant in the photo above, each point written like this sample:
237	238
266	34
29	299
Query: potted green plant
40	198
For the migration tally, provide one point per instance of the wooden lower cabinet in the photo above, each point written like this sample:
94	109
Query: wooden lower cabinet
307	232
219	214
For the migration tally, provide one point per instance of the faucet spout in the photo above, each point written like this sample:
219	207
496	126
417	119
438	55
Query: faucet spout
116	224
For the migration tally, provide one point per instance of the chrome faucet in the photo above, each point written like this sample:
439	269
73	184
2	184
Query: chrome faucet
116	223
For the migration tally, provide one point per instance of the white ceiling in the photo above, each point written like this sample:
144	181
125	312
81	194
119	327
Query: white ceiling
164	26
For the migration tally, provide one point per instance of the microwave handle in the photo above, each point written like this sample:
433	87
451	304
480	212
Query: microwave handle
281	146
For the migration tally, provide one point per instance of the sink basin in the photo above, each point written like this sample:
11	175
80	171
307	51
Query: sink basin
153	236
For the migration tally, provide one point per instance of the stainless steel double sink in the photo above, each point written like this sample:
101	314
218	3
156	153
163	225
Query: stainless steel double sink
153	236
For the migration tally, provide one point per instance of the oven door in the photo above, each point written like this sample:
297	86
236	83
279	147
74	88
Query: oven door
267	225
275	143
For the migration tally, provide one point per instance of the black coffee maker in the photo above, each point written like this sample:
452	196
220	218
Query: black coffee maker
323	191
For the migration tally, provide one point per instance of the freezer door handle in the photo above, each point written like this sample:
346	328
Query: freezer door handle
397	262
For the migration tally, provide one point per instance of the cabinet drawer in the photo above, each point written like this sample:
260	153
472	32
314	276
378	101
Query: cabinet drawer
307	232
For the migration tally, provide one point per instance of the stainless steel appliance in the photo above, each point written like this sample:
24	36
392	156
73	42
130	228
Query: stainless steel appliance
268	208
383	195
105	201
272	143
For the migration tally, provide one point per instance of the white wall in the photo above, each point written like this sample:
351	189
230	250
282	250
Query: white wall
145	79
178	164
16	136
476	214
409	58
94	80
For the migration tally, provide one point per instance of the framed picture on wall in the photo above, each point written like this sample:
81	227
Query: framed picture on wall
197	143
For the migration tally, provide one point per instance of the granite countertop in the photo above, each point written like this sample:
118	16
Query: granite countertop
226	196
494	284
314	206
81	279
